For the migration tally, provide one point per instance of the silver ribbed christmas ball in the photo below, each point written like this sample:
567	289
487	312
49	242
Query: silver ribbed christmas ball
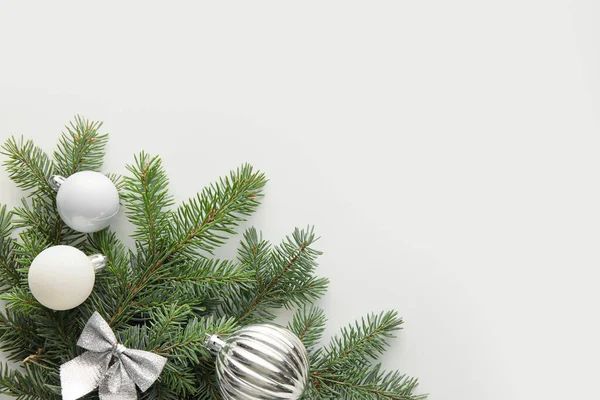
260	362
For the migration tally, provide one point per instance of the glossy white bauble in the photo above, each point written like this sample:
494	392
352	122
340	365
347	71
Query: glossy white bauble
87	201
61	277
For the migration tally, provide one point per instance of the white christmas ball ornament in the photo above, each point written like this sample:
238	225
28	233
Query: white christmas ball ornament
62	277
87	201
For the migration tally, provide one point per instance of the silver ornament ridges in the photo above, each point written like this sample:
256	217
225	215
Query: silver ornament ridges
260	362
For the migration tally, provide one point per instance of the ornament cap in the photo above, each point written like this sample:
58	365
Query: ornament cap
213	343
98	261
55	181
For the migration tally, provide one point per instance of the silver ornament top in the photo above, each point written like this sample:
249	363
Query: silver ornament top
55	181
98	261
260	362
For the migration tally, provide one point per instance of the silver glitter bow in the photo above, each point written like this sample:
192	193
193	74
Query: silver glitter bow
92	369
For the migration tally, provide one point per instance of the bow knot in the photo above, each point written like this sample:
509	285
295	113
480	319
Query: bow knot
93	369
118	349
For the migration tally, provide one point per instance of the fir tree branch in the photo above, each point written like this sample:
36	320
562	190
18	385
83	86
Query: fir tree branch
359	343
308	324
80	148
344	369
176	381
163	320
206	272
60	334
10	276
200	224
284	275
28	384
28	166
41	218
368	383
21	301
18	335
197	284
147	200
6	226
160	392
190	343
31	243
34	217
112	283
207	386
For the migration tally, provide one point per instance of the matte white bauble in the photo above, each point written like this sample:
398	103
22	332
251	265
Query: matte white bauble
87	201
61	277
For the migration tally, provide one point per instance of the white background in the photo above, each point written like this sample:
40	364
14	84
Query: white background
446	151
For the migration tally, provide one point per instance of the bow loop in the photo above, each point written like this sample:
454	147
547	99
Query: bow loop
143	367
97	335
117	385
92	369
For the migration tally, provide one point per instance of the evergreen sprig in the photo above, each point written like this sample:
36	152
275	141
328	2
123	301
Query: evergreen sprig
80	148
345	368
9	269
308	324
29	383
360	342
27	165
283	276
168	291
204	221
147	200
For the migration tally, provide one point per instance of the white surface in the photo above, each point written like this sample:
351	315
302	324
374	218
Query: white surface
87	201
61	277
447	152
